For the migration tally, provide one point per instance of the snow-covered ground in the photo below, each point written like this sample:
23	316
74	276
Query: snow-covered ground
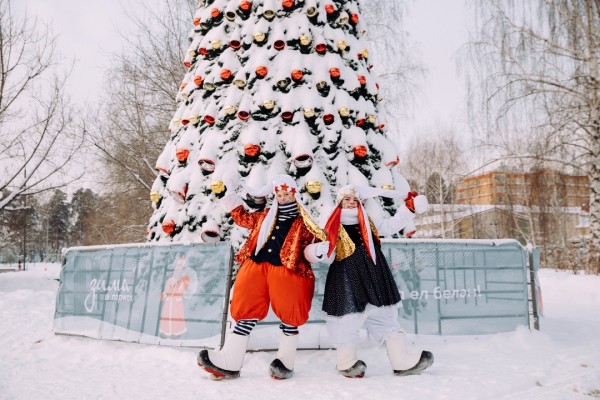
562	361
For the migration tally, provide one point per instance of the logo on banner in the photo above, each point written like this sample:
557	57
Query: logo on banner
117	291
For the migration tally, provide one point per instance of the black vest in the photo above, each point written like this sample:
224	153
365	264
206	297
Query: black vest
270	251
354	233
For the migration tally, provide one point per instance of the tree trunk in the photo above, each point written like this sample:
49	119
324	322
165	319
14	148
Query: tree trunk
594	179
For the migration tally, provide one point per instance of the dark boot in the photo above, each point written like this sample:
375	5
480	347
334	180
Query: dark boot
424	362
403	362
283	366
347	362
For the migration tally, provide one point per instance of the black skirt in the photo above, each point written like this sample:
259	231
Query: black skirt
356	281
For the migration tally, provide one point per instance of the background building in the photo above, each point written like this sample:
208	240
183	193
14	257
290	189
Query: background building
542	207
542	188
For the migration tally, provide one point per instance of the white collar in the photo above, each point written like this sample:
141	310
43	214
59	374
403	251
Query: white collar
349	216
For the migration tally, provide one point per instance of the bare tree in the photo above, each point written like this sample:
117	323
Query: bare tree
537	69
38	141
139	103
140	93
399	70
435	160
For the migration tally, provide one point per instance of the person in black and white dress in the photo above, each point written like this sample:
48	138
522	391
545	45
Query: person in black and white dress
360	290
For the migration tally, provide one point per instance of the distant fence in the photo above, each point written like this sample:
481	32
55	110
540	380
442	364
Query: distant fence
178	294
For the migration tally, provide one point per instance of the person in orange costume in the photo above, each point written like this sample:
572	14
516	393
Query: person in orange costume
275	270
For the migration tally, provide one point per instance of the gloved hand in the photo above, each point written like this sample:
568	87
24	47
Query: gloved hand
317	252
409	201
416	203
321	248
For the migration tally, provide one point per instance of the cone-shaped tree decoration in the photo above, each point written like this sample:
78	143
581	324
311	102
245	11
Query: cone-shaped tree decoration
273	86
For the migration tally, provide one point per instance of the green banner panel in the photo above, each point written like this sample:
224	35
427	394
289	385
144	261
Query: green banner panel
168	294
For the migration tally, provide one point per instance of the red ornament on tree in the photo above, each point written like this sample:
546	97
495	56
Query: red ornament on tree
360	151
244	115
209	119
262	71
287	4
251	150
182	155
297	75
168	227
207	166
225	74
334	73
287	116
245	5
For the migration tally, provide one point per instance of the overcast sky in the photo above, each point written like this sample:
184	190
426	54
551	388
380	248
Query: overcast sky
439	28
87	32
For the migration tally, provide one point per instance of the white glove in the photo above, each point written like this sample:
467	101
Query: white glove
321	248
317	252
421	204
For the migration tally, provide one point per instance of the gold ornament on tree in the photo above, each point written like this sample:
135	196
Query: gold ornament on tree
309	113
154	196
313	187
217	187
268	104
305	40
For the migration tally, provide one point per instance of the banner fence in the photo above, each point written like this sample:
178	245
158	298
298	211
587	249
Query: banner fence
178	294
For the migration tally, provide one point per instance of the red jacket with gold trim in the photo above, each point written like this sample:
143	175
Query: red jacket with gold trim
292	251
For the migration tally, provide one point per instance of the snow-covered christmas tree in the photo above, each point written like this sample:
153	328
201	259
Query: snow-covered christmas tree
272	87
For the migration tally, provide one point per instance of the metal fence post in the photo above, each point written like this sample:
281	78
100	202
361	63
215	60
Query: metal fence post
532	280
227	292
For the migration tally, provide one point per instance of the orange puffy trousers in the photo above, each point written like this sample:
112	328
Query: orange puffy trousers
259	284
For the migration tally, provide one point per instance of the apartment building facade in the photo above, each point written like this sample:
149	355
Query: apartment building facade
541	188
541	207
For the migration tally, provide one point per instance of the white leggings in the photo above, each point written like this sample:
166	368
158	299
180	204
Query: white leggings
380	322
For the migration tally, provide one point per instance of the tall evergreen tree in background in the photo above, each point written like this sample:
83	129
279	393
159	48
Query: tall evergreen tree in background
21	230
57	229
272	87
82	211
